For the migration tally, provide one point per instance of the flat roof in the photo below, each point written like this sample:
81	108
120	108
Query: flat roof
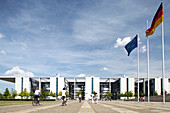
8	78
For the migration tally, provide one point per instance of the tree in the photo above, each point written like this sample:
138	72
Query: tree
108	95
52	94
14	94
43	93
1	96
67	94
141	94
94	92
60	93
79	93
7	93
155	93
25	93
31	93
21	94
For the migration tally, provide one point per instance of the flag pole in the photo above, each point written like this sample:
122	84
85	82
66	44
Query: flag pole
138	65
148	62
163	63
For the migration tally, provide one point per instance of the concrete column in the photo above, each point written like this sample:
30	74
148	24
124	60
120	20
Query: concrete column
26	84
97	86
131	85
39	83
18	84
144	85
109	84
123	85
60	84
88	88
74	87
53	84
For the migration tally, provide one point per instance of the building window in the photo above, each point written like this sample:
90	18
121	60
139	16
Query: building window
169	80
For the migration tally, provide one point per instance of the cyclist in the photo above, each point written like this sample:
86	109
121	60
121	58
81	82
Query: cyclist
37	94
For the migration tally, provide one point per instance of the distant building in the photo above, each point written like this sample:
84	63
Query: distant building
87	85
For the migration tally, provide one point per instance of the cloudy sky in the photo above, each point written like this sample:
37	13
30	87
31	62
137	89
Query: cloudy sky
79	37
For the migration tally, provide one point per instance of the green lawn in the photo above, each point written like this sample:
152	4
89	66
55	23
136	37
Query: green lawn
7	103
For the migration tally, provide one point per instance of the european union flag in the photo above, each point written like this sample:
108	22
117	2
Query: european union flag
132	45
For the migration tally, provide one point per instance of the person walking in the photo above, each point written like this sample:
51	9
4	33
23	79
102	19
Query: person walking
79	98
92	97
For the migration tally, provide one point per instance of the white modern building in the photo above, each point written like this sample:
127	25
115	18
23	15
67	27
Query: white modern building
87	85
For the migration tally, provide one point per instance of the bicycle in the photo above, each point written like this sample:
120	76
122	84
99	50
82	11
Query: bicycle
36	101
64	100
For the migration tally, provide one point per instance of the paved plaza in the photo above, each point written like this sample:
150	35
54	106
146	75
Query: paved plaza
88	107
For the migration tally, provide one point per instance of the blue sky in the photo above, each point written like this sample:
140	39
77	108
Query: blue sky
79	37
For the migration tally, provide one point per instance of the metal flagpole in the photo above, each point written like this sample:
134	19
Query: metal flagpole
163	64
138	64
148	62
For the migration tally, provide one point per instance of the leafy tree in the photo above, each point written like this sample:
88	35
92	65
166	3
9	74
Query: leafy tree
21	94
1	96
141	94
52	94
94	92
25	93
31	93
14	94
60	93
47	93
136	94
108	95
155	93
67	94
7	93
79	93
130	94
43	93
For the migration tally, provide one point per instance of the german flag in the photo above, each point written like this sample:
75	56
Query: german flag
158	18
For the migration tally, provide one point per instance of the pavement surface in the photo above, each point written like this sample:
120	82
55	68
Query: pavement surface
88	107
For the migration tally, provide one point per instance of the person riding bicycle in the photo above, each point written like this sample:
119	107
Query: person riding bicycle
37	94
64	94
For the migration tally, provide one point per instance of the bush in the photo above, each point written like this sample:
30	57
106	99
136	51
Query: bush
7	93
155	93
14	94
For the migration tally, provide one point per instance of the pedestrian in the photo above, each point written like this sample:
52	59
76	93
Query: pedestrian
79	98
92	97
96	99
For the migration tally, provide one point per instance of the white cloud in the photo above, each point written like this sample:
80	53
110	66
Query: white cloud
122	42
1	35
16	71
82	75
143	49
104	69
3	52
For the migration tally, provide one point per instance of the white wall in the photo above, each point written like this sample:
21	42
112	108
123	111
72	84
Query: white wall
123	85
60	84
18	84
96	85
158	85
88	88
53	84
26	84
131	85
